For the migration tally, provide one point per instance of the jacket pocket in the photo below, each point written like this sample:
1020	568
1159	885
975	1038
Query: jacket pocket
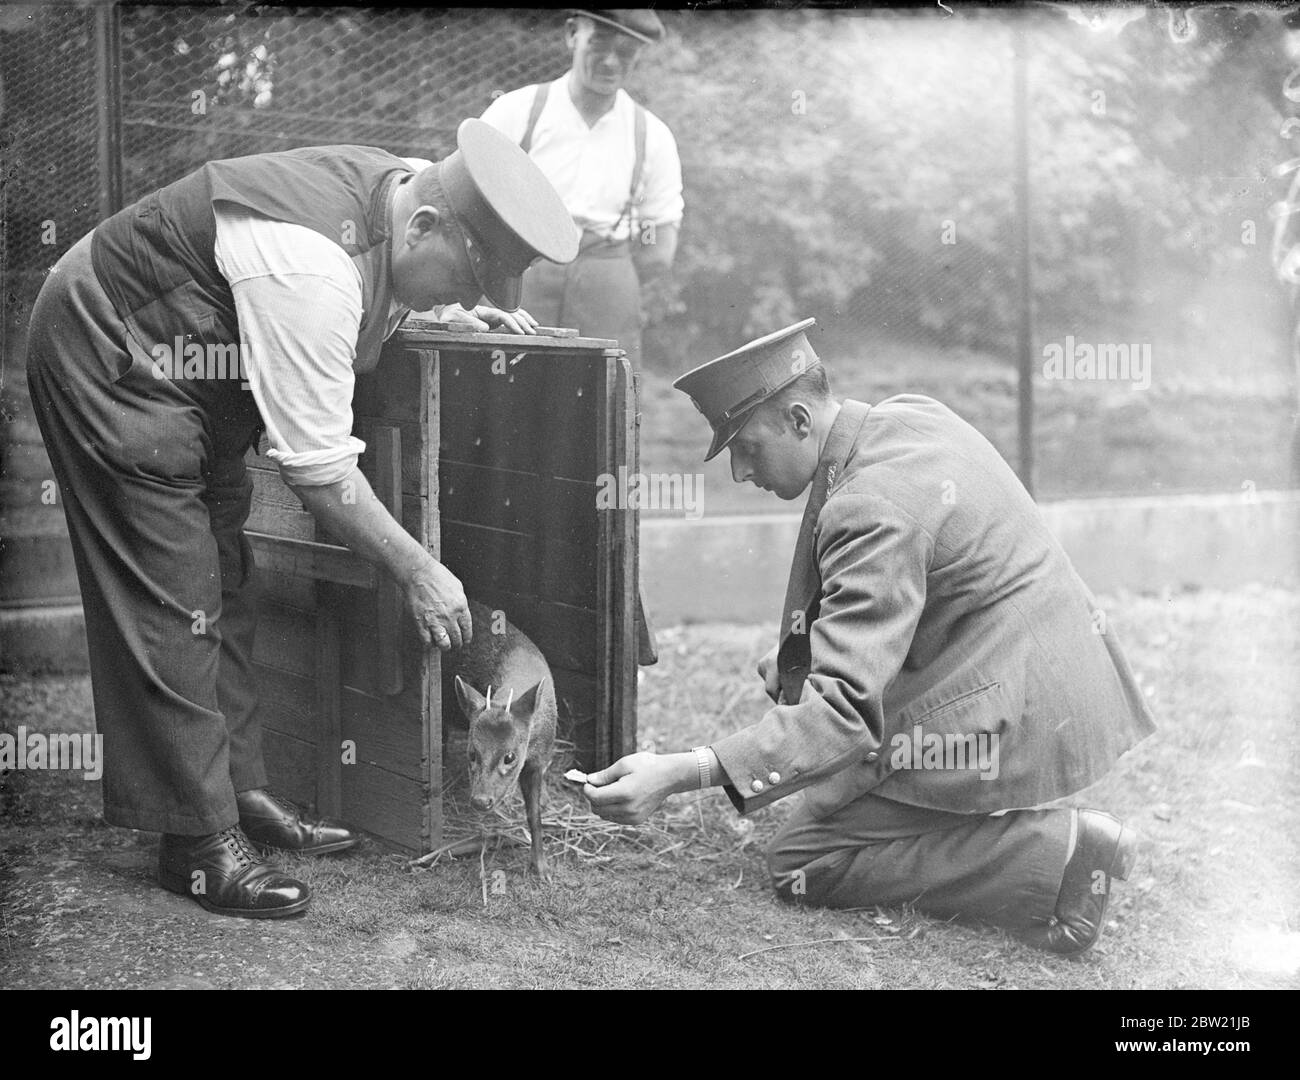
965	700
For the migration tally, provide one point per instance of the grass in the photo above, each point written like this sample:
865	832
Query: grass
684	901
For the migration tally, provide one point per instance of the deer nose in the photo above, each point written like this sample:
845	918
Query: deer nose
481	802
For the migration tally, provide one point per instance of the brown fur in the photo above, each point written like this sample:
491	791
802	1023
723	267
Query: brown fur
506	662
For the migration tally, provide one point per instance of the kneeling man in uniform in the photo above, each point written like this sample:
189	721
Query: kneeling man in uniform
941	669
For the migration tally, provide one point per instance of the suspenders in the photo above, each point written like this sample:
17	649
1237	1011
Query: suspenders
634	194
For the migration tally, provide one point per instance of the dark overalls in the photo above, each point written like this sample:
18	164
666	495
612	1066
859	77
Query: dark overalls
600	291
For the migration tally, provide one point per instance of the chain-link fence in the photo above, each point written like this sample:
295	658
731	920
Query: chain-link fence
855	166
103	104
50	142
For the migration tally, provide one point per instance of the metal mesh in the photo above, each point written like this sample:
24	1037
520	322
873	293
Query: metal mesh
204	82
49	145
200	83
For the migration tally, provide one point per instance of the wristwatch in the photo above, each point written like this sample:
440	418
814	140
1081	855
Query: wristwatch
704	764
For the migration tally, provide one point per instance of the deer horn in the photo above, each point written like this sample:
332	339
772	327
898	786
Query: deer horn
489	697
509	698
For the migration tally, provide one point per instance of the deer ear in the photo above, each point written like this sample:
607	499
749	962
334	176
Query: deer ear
471	701
525	704
545	694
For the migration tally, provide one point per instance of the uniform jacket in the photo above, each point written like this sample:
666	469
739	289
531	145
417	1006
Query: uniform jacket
927	598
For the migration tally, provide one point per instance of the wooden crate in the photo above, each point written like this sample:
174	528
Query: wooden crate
488	449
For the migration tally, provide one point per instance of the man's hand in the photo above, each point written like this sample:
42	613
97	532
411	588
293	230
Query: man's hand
484	318
633	788
437	600
349	509
767	671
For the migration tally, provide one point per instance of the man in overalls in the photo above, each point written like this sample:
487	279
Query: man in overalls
298	265
616	167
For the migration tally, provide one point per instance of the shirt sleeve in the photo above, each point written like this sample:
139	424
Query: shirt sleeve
873	559
298	301
663	203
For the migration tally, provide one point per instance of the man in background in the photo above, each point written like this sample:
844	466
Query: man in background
616	168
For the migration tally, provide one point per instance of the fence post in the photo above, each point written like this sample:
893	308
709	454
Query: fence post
108	84
1025	322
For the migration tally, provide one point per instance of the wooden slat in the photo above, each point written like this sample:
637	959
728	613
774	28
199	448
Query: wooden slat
329	791
501	421
430	668
286	589
288	703
290	764
276	510
385	804
388	597
366	430
307	558
284	640
392	391
412	334
386	731
616	577
626	556
359	658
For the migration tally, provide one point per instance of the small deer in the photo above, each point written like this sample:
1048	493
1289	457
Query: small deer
512	724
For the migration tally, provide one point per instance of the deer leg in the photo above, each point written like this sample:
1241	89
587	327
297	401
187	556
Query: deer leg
530	783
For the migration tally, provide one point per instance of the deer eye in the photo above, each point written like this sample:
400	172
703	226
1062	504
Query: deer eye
473	757
509	759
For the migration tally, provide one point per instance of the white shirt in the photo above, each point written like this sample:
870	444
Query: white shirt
298	301
591	167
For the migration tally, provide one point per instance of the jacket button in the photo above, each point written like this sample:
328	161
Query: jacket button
756	786
774	778
872	756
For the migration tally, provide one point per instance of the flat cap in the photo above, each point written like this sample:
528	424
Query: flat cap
509	213
640	23
728	389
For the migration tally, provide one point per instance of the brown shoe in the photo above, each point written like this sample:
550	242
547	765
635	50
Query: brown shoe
1104	851
224	873
275	823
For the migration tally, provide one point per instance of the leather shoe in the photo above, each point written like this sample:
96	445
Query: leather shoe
226	875
1104	851
272	822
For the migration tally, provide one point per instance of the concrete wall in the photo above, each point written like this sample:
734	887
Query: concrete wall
734	569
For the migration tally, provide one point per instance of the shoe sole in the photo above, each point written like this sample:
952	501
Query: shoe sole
177	883
1125	858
